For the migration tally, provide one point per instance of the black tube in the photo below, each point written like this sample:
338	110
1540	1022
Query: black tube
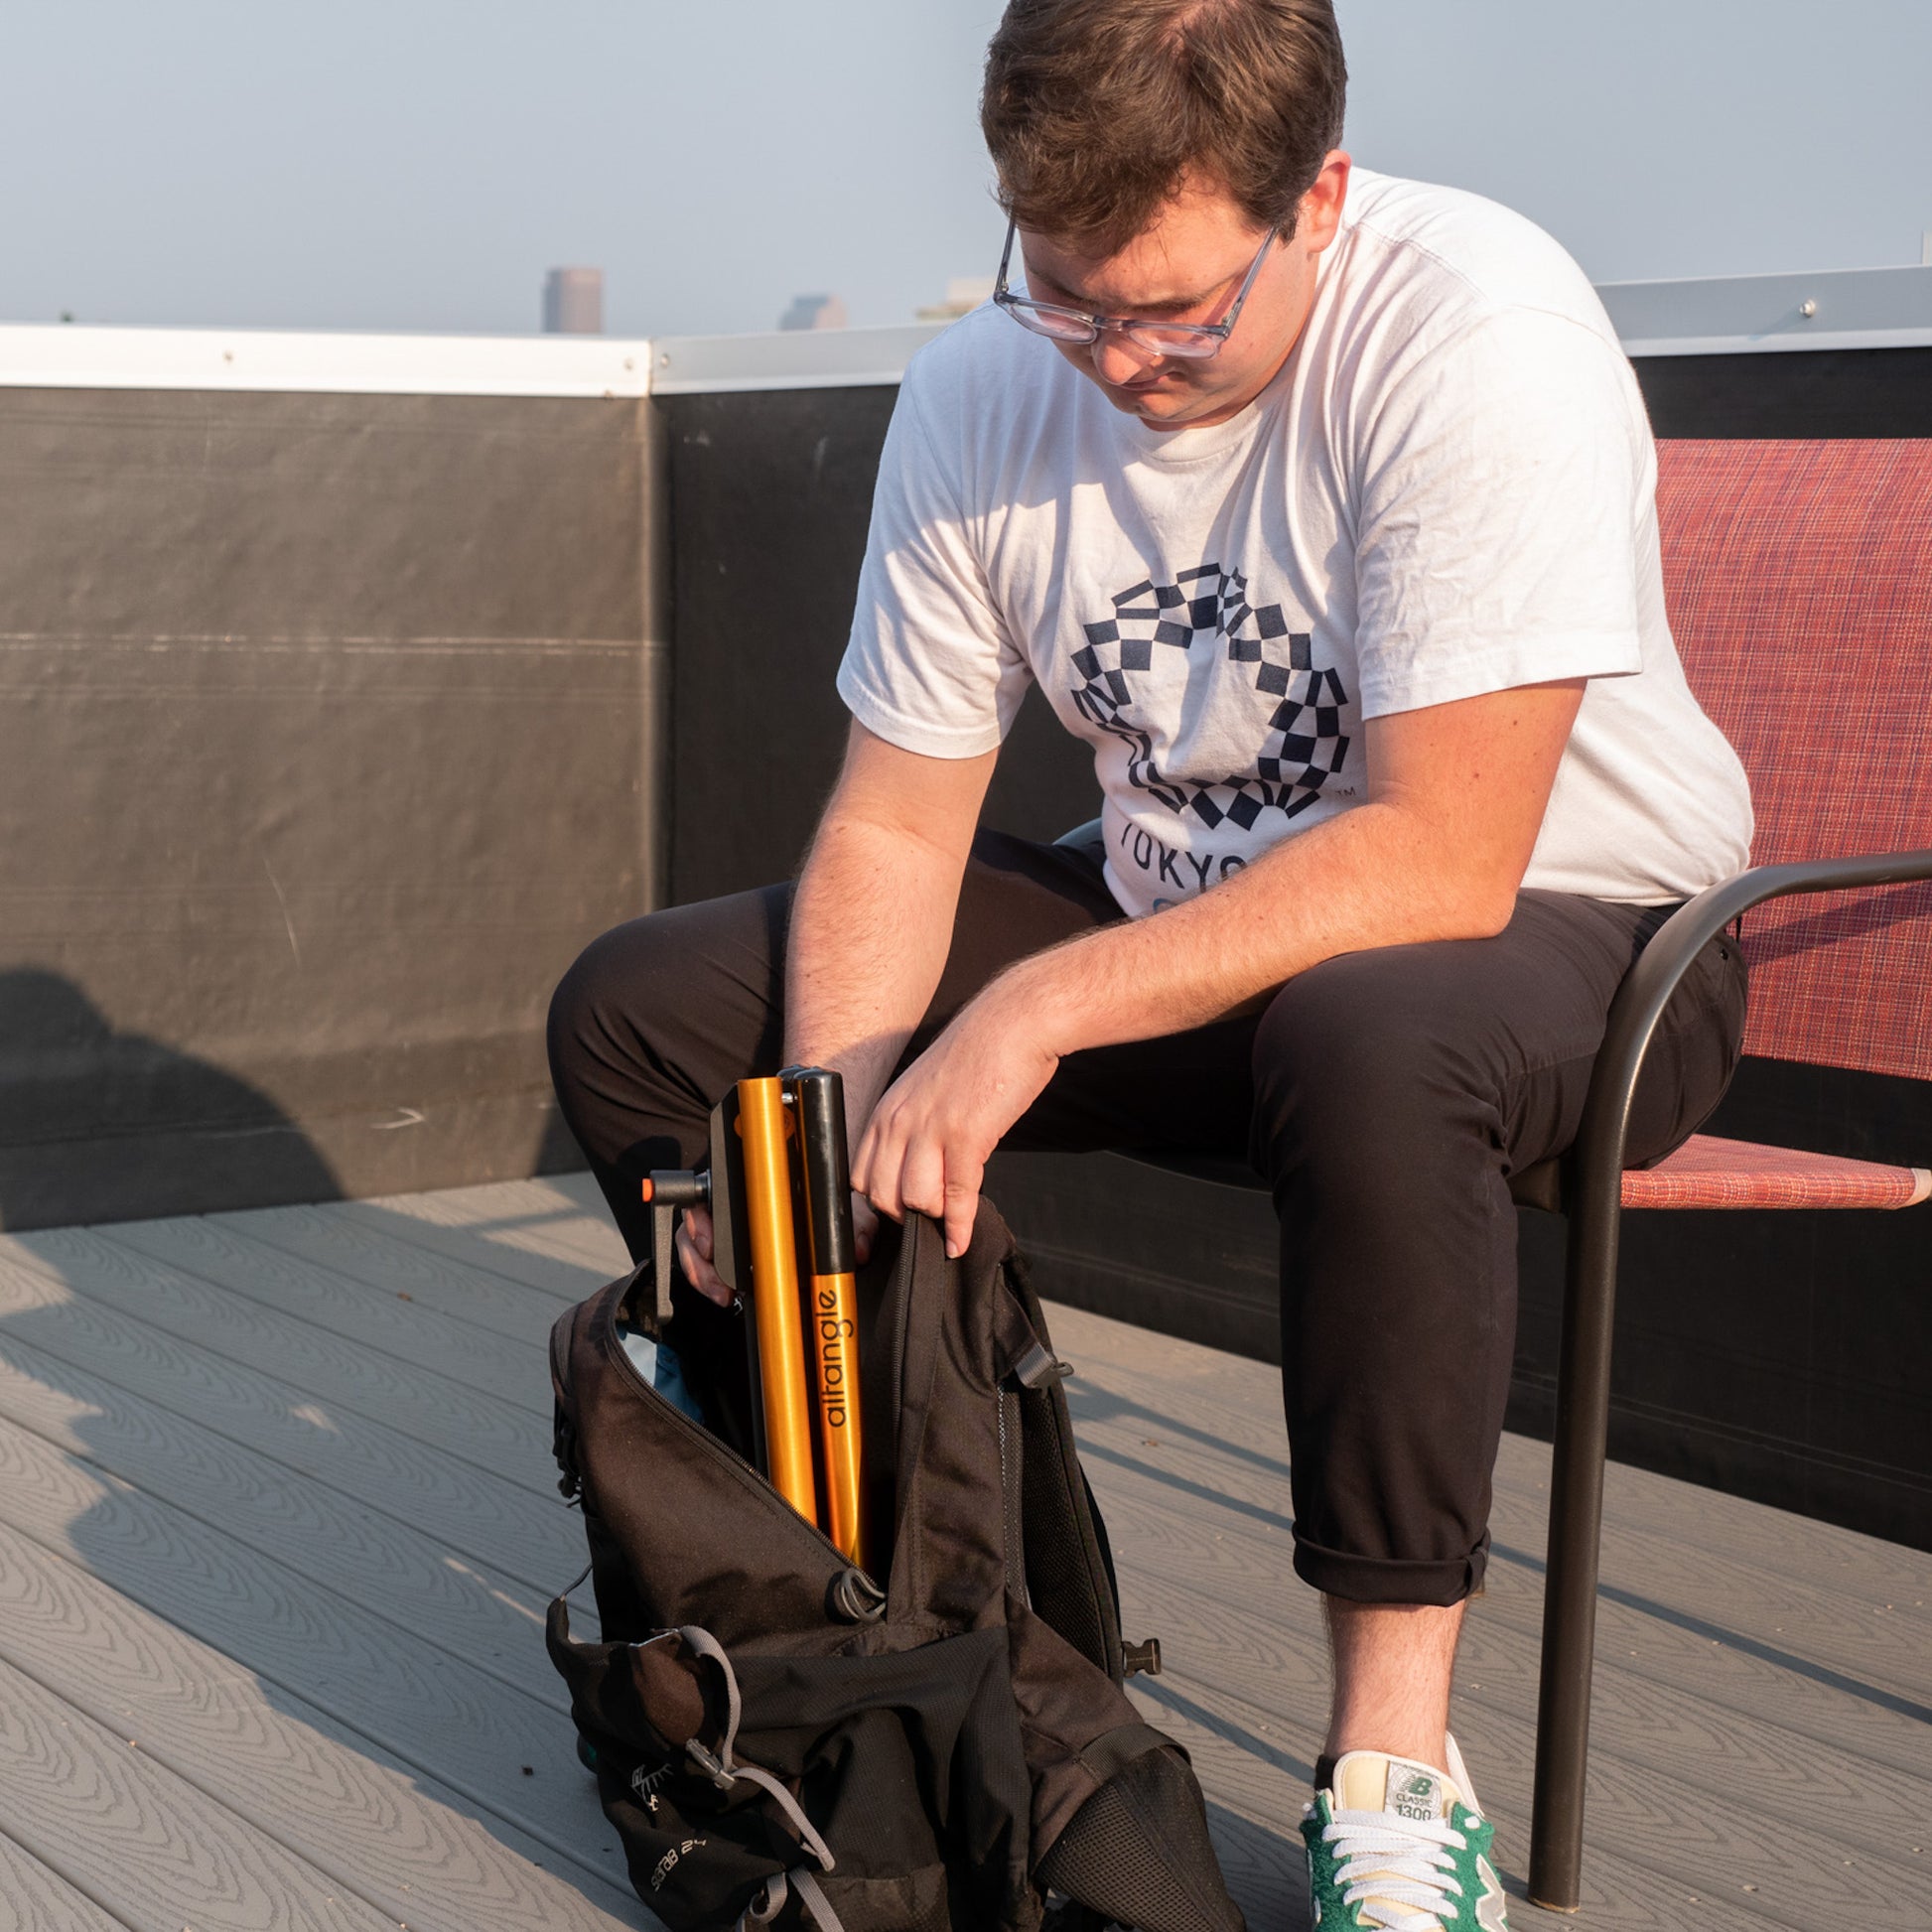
1584	1367
828	1176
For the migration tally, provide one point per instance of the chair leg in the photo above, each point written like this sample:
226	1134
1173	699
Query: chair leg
1576	1524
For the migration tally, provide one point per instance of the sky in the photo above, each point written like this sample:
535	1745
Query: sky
417	165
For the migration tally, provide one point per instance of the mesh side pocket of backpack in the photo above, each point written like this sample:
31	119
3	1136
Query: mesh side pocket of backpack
1069	1570
1138	1852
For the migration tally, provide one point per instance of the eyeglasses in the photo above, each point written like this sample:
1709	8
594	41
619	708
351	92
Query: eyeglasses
1195	339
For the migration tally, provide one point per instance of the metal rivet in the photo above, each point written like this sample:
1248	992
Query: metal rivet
664	360
1807	308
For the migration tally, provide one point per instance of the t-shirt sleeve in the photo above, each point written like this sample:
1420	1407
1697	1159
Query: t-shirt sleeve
929	666
1502	488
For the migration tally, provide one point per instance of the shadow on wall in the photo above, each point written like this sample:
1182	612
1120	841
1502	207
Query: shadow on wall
97	1124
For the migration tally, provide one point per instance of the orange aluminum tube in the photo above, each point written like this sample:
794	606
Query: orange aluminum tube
774	1293
835	1328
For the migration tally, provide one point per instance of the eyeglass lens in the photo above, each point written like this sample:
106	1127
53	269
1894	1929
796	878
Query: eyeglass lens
1167	337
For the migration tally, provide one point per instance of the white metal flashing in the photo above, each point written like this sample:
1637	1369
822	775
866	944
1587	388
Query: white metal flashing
1732	315
802	359
64	357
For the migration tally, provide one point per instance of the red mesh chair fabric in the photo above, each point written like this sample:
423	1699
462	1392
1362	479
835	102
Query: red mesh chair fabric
1799	580
1707	1171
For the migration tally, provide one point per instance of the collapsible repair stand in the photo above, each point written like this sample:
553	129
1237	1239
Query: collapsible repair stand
780	1191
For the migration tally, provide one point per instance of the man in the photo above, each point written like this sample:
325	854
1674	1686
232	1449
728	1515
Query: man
1320	504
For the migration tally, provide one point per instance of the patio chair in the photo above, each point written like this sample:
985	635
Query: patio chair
1799	581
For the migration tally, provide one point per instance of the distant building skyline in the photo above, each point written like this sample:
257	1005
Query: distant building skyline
815	312
572	302
964	294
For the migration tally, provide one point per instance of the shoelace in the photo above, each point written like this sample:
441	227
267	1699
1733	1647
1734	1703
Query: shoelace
1402	1866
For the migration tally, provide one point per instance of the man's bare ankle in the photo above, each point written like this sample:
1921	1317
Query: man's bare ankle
1393	1667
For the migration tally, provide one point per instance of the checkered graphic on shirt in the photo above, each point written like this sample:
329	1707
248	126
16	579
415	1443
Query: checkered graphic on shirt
1208	609
1799	581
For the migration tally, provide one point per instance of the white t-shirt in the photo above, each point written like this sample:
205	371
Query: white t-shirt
1449	489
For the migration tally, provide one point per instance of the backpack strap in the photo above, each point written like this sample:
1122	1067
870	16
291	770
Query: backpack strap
774	1895
1070	1568
717	1761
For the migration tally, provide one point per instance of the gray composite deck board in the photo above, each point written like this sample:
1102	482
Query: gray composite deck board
425	1337
489	1287
277	1525
384	1462
35	1898
360	1818
360	1377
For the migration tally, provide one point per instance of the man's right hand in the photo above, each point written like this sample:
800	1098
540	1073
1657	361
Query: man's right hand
695	1247
869	927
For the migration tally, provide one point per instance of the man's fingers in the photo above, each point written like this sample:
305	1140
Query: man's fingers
697	1225
869	1168
922	1178
962	1209
696	1263
862	1158
865	1226
877	1171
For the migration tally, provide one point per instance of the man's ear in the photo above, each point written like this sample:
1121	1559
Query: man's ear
1318	214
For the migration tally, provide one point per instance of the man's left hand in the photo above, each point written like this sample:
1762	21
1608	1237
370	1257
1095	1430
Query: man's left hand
926	1145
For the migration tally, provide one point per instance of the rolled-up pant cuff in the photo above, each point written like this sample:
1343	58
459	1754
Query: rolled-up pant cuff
1390	1579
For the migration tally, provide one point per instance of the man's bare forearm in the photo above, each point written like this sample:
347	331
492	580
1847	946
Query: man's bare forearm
871	926
1367	879
1439	853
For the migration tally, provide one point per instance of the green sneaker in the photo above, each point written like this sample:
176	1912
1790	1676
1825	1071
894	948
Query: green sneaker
1399	1847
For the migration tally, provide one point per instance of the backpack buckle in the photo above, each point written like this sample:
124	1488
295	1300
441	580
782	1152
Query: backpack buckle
1040	1366
710	1765
1141	1659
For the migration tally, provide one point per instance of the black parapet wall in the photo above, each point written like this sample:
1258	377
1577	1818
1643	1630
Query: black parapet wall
325	742
1791	393
770	495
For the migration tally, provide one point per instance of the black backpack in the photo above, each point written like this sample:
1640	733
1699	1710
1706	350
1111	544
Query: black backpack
777	1739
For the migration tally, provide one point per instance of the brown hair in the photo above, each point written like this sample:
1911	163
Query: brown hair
1094	109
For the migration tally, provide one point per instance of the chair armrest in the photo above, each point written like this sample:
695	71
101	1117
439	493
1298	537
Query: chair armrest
1584	1359
1649	984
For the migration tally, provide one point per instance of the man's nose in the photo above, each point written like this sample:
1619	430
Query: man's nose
1119	358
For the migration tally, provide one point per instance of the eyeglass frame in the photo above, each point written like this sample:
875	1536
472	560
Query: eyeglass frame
1097	325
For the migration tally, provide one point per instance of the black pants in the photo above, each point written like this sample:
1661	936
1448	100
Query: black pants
1385	1097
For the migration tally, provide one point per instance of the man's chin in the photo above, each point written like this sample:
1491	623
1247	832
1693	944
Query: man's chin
1165	406
1158	405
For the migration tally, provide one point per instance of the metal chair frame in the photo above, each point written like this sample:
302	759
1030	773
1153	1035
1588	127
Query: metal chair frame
1593	1200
